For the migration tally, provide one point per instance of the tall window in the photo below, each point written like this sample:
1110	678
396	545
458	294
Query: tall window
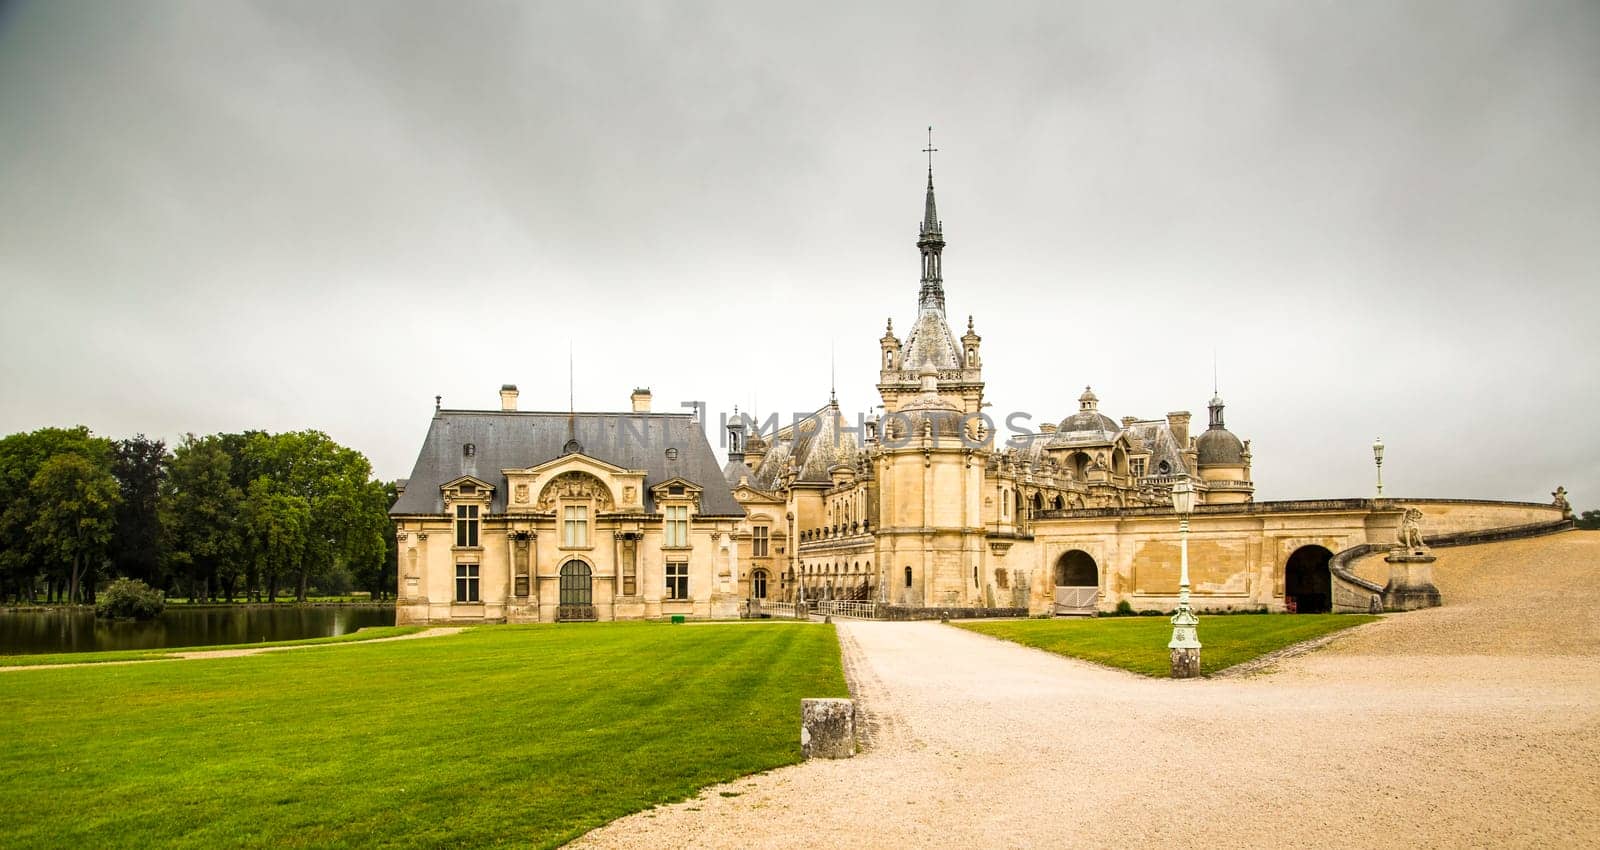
677	529
575	526
466	582
758	541
467	525
576	583
908	576
758	584
677	580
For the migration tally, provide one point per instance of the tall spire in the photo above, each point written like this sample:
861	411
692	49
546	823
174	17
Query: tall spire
931	242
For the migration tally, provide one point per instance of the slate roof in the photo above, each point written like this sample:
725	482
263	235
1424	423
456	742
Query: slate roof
931	342
520	439
1157	436
817	443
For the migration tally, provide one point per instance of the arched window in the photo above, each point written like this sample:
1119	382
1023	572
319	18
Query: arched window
758	584
908	576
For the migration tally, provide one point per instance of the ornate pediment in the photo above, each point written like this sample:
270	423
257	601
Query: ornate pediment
468	487
575	485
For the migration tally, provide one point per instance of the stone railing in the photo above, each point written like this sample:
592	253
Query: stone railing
855	610
575	614
760	608
1354	594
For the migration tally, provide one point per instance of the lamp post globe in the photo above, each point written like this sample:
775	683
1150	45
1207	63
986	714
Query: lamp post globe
1185	643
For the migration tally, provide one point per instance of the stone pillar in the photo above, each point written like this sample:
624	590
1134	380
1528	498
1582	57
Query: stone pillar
1410	581
828	728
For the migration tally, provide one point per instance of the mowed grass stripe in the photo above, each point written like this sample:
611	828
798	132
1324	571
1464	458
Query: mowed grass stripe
1140	643
501	736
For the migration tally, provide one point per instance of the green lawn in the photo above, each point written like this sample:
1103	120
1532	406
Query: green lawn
368	633
1140	643
504	735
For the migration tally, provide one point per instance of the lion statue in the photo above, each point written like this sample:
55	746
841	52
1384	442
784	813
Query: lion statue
1410	534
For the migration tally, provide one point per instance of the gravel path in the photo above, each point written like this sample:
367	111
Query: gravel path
1477	724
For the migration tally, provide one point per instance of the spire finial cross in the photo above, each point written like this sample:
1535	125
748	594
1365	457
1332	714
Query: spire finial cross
929	150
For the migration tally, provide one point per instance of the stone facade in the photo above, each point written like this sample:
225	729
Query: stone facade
925	507
538	517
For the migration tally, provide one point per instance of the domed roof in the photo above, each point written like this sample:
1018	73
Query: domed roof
1219	447
1088	421
926	409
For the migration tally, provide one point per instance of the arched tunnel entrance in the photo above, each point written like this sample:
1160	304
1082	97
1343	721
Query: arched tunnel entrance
1307	583
1077	583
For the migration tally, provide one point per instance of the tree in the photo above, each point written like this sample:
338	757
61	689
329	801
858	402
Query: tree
278	523
346	511
200	513
140	465
75	504
22	455
1589	520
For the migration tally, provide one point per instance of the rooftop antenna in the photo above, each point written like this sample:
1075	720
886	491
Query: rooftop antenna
930	150
1214	390
572	408
833	384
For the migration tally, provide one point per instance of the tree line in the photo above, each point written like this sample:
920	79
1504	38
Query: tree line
225	516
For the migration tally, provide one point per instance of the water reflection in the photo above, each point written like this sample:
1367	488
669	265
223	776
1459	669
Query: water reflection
79	631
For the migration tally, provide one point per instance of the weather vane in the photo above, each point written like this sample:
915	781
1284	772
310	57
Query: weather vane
929	150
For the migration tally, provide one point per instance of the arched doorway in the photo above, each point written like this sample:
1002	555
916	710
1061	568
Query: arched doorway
758	584
1077	583
577	592
1307	583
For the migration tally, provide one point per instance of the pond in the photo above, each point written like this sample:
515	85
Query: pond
27	632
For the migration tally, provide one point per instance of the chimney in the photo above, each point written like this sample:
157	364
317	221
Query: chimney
1178	421
641	400
508	397
1127	421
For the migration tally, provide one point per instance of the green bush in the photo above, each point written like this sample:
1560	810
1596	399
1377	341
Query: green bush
129	599
1124	609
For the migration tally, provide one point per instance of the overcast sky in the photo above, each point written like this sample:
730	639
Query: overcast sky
1383	217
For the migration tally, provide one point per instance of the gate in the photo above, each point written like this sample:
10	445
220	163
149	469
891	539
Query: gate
1077	601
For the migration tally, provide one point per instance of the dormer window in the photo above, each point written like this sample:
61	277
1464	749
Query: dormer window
675	490
469	489
672	454
469	449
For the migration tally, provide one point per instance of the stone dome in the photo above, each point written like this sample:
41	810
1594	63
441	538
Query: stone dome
1088	419
926	409
1219	447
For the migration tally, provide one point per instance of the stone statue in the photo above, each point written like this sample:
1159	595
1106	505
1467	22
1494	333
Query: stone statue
1562	503
1410	536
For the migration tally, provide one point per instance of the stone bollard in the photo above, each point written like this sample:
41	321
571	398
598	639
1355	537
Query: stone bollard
828	728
